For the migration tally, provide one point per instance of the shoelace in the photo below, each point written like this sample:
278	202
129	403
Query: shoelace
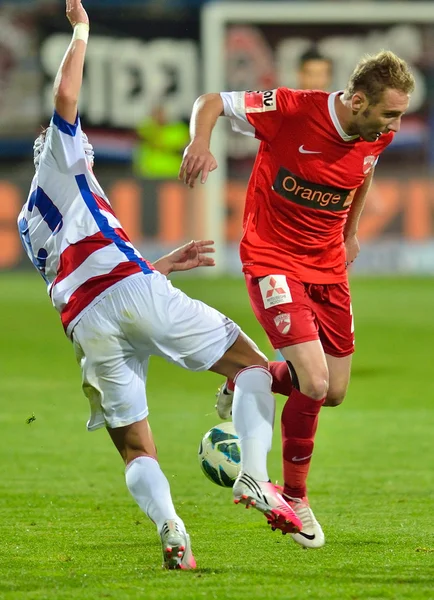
284	509
304	513
166	529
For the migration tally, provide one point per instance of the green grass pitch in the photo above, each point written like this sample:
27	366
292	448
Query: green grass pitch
70	530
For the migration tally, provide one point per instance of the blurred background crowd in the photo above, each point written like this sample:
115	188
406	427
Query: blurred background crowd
147	62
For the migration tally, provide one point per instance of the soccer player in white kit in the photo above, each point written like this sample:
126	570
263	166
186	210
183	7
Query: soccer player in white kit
118	310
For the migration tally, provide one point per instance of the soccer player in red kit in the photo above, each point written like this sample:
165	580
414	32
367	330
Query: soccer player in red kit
305	196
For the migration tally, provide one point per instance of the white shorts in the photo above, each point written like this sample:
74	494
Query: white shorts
142	316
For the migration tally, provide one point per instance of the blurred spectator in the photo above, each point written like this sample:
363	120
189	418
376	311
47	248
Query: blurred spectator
160	147
315	71
157	157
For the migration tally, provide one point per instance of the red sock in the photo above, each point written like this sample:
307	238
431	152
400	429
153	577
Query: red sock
299	422
282	382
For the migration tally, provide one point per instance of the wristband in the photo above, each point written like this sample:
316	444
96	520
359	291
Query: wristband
81	32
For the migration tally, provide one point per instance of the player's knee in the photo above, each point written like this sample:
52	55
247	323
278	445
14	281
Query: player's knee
335	397
315	387
244	353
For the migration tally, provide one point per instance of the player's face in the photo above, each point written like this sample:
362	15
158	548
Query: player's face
315	74
372	120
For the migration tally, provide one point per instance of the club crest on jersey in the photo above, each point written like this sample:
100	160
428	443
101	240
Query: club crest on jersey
255	102
368	163
283	323
313	195
274	290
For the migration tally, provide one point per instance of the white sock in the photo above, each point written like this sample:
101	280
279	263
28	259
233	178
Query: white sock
253	416
150	489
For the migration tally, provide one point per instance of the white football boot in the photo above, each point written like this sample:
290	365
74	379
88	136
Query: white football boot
311	534
176	545
264	496
224	402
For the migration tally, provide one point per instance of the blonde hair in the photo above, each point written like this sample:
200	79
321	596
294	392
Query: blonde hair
376	73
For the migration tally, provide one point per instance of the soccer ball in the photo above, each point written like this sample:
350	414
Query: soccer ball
219	454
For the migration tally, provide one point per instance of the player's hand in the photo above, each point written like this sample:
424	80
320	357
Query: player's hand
352	249
76	13
191	255
197	159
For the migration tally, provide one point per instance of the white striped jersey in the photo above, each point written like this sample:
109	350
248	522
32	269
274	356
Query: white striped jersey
69	229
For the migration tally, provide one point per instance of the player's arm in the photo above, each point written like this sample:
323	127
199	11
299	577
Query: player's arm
197	156
258	114
64	149
352	245
67	84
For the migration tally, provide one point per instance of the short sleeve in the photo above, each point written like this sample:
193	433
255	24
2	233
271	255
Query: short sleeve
64	145
259	113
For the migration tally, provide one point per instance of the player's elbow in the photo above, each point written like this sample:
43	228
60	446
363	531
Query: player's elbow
64	95
66	106
65	103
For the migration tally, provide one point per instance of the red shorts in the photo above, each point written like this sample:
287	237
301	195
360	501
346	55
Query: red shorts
292	312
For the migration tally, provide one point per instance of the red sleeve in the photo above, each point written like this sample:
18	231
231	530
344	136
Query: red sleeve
266	111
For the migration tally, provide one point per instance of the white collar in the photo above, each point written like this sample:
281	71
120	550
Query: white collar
334	118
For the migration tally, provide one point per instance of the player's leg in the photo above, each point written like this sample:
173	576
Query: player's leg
282	374
339	378
253	405
289	321
336	334
151	490
253	412
134	441
299	422
198	338
300	414
114	380
284	378
332	308
299	418
291	326
275	311
336	330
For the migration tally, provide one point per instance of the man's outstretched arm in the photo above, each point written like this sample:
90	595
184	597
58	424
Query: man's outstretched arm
67	84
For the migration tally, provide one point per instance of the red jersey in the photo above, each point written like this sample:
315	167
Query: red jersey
303	182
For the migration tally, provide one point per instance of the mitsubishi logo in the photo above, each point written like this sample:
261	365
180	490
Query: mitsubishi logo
273	289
